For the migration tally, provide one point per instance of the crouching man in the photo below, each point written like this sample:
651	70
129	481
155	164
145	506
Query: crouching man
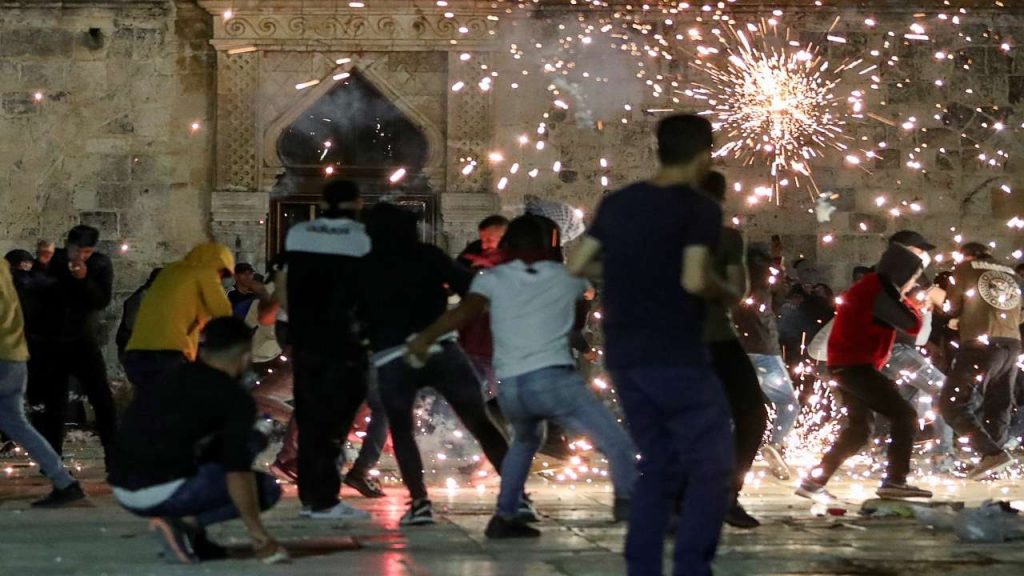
184	454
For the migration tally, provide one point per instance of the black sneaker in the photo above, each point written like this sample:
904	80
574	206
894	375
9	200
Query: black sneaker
526	512
500	528
174	538
620	511
365	485
59	498
737	517
421	513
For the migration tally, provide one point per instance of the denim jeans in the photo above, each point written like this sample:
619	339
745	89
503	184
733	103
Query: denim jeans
679	418
13	423
376	428
914	373
778	387
206	497
559	394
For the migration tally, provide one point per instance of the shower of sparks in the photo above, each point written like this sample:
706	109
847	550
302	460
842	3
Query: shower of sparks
772	102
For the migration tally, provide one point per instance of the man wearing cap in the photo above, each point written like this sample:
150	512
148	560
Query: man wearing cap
985	297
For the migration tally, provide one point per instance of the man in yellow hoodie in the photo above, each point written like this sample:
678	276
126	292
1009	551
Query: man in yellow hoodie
13	376
184	297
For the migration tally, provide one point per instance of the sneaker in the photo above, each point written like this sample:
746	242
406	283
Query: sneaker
305	511
500	528
814	491
339	511
58	498
284	473
776	463
903	490
990	465
620	510
421	513
737	517
527	513
368	486
174	539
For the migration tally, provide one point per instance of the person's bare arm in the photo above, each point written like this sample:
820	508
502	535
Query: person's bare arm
585	261
242	489
699	279
471	307
738	284
281	289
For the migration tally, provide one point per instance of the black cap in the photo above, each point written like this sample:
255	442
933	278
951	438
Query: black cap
16	257
243	268
912	239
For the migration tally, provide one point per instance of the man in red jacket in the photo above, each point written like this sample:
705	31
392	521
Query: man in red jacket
860	344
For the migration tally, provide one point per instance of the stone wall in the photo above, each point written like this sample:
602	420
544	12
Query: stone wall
98	102
953	187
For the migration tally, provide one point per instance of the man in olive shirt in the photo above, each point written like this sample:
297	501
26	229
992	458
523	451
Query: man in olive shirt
730	360
985	297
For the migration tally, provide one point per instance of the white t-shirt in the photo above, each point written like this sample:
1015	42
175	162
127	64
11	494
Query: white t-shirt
531	314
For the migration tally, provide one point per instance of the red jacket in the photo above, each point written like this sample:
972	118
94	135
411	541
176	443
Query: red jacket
857	338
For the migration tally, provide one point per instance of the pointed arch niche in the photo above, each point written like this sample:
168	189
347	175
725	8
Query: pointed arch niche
401	53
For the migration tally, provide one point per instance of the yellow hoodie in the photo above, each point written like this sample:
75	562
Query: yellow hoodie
184	297
13	347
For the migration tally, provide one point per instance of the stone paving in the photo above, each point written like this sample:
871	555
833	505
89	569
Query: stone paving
578	538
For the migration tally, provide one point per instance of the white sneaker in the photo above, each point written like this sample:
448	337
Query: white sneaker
305	511
340	511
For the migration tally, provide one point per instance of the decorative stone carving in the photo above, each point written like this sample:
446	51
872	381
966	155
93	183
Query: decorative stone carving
408	28
470	129
237	80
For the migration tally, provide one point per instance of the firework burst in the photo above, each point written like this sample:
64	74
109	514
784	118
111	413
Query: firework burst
773	99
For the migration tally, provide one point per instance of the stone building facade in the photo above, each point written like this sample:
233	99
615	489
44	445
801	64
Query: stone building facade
159	120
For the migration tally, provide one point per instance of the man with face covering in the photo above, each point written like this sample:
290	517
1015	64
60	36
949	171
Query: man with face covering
871	313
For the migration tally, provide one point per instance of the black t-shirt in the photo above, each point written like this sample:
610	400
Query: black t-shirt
406	291
197	414
644	229
324	268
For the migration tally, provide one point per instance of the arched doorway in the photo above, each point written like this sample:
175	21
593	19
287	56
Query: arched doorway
353	132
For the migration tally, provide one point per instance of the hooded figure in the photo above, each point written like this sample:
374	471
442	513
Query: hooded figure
184	297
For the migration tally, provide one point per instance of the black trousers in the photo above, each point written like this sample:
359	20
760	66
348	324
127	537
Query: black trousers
50	370
328	394
980	408
746	401
862	391
145	368
452	376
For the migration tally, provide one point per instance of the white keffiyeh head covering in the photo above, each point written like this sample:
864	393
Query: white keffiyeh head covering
568	218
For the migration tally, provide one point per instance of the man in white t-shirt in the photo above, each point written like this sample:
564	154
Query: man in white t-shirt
532	302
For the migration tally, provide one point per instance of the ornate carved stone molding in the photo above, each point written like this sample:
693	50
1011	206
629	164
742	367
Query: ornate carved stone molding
237	82
470	131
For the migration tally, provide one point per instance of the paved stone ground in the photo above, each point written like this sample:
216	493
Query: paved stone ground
578	539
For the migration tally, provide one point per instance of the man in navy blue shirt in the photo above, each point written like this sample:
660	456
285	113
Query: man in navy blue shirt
652	242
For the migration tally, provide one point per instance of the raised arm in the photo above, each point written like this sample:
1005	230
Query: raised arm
585	261
470	308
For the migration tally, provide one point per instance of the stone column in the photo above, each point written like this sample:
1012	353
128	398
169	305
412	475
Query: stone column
238	208
468	198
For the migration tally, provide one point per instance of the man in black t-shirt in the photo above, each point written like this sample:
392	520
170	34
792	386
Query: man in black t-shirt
654	242
186	449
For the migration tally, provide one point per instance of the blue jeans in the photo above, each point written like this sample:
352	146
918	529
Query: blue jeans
206	497
13	423
559	394
914	373
778	387
679	418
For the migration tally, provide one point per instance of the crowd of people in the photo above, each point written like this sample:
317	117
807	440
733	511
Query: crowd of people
705	337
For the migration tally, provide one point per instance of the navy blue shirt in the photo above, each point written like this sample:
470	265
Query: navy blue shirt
649	320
